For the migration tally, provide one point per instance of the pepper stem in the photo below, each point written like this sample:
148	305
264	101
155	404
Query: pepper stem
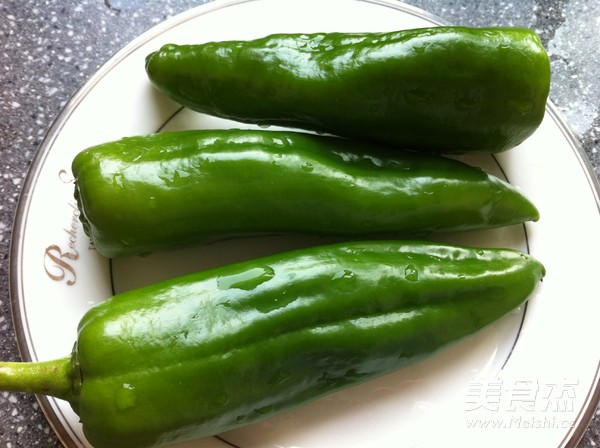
53	378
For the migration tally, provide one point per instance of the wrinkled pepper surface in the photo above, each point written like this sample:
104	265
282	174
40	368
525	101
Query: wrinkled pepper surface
208	352
448	89
147	193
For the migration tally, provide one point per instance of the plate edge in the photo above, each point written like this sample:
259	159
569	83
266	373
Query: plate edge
592	400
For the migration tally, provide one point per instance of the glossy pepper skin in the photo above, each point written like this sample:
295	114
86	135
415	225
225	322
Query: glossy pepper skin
443	89
208	352
148	193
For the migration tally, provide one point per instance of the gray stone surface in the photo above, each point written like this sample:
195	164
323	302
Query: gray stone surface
49	49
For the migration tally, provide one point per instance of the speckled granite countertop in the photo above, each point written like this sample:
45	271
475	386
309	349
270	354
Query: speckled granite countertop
49	49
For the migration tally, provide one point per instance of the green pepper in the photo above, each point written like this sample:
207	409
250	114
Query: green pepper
443	89
146	193
211	351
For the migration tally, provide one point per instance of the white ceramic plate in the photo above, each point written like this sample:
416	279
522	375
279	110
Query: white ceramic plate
530	379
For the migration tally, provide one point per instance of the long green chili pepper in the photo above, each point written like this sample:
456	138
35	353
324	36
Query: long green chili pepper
147	193
443	89
208	352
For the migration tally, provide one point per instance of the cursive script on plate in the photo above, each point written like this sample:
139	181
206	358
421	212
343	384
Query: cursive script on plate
59	261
